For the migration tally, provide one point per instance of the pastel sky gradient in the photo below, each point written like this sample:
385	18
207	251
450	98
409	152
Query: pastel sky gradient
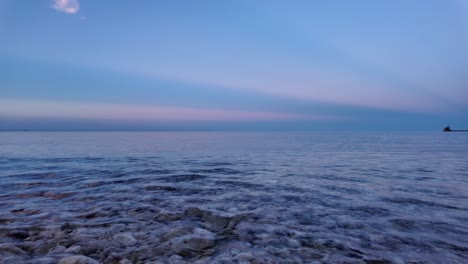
233	65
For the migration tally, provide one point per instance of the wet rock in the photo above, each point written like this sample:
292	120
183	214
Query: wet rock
292	260
293	243
245	257
143	211
83	234
93	215
212	221
6	220
137	255
115	258
234	247
195	212
194	243
404	224
176	259
176	232
45	260
32	211
59	249
43	248
216	222
27	246
92	247
125	261
18	234
68	242
67	227
125	239
109	254
74	249
10	259
77	260
307	253
166	216
10	249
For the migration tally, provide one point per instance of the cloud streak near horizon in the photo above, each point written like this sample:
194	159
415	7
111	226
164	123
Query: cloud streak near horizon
106	111
367	61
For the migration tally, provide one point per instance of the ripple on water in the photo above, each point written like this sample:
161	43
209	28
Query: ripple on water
182	178
323	203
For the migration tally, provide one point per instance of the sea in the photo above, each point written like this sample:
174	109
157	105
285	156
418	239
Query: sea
233	197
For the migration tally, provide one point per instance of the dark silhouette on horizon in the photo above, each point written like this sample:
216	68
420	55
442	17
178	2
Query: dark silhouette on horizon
447	129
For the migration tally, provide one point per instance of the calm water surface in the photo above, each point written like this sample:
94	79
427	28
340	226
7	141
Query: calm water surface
136	197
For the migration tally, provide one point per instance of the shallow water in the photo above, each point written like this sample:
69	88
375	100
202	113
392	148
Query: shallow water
128	197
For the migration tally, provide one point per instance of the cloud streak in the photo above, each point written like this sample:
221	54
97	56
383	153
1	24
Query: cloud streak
304	83
66	6
51	109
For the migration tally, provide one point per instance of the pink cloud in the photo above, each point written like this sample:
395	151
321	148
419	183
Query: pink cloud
24	108
305	83
66	6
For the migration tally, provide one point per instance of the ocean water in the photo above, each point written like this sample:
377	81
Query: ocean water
209	197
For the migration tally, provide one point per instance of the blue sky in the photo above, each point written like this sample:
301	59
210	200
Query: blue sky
233	65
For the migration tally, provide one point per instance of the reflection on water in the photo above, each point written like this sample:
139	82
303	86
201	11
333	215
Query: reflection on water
234	197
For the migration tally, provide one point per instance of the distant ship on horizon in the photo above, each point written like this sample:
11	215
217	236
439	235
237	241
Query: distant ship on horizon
448	129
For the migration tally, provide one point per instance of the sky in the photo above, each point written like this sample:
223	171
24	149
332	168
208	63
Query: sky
233	65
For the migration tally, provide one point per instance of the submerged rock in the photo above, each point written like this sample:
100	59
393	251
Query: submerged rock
212	221
125	239
78	260
74	249
45	260
176	232
167	216
10	259
116	258
194	243
18	234
176	259
10	249
58	249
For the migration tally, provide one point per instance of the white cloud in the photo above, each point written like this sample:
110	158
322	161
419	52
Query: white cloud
67	6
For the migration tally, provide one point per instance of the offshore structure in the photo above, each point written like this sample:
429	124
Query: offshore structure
447	129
